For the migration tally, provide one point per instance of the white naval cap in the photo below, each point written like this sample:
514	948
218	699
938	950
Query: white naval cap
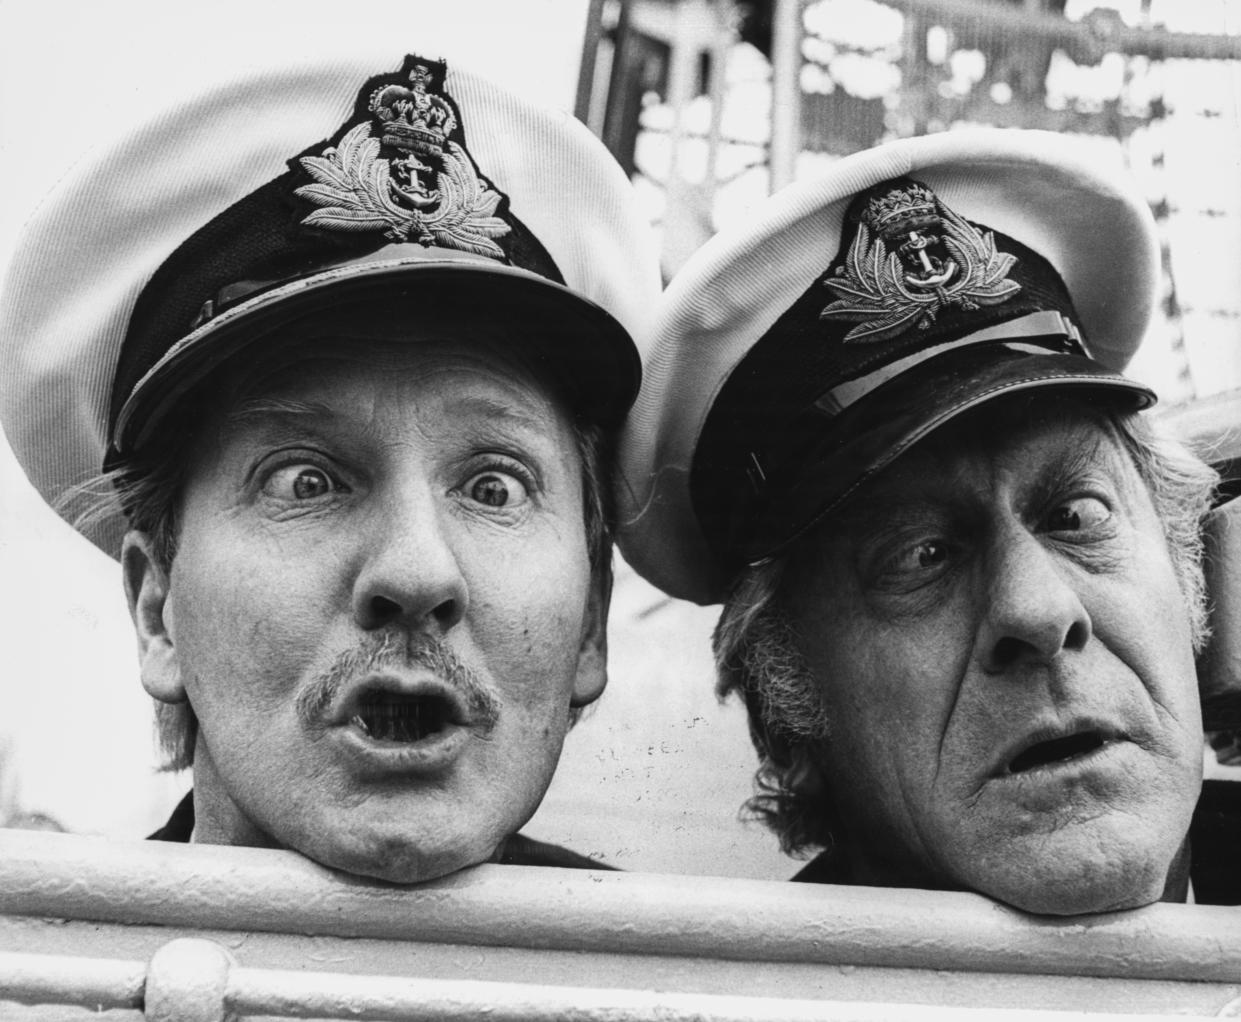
362	179
803	350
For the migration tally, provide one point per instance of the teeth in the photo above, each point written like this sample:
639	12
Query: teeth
400	720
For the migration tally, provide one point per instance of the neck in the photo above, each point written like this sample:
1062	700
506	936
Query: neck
870	864
1177	887
217	818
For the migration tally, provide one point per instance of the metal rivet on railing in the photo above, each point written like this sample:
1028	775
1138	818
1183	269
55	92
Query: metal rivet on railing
187	980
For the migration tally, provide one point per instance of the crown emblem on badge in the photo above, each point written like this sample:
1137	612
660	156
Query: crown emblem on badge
414	119
902	210
911	258
401	171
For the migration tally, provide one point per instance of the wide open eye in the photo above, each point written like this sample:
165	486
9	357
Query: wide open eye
497	489
300	483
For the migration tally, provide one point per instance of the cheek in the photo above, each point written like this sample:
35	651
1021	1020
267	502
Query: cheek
244	628
527	616
903	679
1145	623
531	649
890	691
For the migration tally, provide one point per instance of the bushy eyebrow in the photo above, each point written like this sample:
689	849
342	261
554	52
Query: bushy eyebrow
249	409
496	419
1078	463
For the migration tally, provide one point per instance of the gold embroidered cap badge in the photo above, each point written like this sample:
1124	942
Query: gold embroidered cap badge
911	258
413	181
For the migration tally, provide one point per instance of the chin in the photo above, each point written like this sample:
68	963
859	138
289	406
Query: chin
403	858
1079	883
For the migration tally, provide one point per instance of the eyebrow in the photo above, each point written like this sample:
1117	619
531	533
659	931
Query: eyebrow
253	408
1073	464
490	410
493	416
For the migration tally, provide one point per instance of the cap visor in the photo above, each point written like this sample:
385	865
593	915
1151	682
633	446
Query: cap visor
866	438
576	341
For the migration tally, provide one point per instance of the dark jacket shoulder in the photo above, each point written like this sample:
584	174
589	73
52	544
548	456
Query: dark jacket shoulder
1215	844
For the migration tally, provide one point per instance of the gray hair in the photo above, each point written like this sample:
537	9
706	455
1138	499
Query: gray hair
756	653
147	489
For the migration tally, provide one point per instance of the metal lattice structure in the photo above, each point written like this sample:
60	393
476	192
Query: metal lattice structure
734	99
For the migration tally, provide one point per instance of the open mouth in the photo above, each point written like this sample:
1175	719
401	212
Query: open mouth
397	717
1058	750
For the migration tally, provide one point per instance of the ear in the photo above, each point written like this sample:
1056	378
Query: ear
592	656
146	590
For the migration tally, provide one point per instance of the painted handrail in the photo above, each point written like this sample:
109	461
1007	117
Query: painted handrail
192	980
242	889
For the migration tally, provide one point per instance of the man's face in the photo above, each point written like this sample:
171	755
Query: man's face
1005	659
380	609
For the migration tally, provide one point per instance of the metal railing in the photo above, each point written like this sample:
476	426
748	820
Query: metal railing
203	932
189	980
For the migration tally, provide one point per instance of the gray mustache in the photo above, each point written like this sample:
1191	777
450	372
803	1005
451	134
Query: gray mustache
391	650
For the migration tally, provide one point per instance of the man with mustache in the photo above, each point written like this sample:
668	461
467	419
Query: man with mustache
354	446
961	573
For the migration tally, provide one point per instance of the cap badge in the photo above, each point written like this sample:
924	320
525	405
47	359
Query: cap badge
413	181
912	257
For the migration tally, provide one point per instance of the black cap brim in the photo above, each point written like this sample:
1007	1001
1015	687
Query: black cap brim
865	439
576	341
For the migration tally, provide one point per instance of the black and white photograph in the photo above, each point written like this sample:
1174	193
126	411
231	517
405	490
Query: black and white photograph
620	509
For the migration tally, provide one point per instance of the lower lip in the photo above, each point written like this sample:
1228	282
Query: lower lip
427	757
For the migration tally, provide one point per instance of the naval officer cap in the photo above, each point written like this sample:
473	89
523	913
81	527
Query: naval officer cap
367	187
800	353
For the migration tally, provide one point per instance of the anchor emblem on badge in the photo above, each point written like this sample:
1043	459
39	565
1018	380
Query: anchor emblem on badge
911	258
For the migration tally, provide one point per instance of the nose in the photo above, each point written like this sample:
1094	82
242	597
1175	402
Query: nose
1032	613
409	574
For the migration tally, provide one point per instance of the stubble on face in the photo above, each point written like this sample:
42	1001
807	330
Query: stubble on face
1003	649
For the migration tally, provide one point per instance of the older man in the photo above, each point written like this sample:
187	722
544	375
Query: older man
884	424
355	401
